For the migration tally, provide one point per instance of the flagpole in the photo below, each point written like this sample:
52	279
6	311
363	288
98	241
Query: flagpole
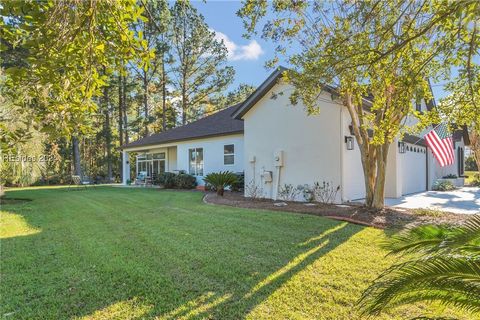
424	135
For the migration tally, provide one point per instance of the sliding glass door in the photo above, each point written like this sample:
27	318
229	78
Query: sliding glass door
151	164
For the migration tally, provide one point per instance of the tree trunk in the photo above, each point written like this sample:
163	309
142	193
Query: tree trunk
120	121
374	158
475	146
185	106
120	110
184	72
379	191
77	165
164	94
108	134
125	109
145	102
184	109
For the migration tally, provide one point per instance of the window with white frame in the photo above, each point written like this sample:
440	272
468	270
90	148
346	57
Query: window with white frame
151	164
195	160
229	154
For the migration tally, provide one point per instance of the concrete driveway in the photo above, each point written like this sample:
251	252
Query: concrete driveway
463	200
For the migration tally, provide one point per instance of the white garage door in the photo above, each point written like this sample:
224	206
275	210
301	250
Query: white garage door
414	169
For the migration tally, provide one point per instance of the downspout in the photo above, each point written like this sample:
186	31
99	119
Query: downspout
427	176
279	163
277	183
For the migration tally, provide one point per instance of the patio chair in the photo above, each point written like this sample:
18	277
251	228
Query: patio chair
141	178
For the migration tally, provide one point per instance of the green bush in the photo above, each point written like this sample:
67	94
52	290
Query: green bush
185	181
476	180
218	181
240	184
166	179
471	164
443	186
426	212
450	176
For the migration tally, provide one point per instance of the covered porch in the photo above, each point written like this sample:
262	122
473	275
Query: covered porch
148	162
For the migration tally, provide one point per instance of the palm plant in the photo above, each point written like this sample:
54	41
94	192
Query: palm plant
443	265
220	180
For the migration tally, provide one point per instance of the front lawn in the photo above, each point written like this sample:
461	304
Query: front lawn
126	253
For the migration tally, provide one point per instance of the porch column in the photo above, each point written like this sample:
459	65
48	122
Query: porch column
126	167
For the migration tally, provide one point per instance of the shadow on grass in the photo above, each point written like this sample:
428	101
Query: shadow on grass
136	254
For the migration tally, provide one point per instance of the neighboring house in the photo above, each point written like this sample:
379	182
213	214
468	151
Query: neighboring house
276	143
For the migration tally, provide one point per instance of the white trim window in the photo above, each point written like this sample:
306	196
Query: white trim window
229	154
195	161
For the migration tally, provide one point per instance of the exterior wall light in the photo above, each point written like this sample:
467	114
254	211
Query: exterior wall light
401	147
350	128
349	142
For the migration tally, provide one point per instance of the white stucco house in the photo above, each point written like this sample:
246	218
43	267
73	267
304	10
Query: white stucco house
275	143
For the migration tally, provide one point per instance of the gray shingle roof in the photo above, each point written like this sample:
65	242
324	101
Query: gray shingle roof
217	124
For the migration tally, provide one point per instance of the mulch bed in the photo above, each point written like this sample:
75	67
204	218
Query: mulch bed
354	213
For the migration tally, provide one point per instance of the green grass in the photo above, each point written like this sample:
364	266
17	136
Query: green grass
470	175
125	253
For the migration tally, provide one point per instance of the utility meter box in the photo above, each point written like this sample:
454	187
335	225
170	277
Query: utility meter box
278	158
267	176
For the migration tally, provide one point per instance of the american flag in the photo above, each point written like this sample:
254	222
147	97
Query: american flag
441	143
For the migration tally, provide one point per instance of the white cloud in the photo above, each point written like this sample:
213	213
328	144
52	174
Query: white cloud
251	51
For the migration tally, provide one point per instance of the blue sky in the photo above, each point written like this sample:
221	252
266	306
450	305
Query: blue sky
247	56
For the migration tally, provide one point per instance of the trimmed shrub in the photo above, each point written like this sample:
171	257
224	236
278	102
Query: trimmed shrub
218	181
325	192
185	181
166	179
288	192
427	212
471	164
450	176
253	191
476	180
443	186
240	184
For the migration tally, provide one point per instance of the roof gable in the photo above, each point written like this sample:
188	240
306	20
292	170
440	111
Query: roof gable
269	83
258	94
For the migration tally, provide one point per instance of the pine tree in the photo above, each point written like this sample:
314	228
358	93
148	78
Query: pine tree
200	61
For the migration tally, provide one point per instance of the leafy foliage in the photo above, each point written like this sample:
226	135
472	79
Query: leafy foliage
325	192
443	265
254	191
450	176
476	180
288	192
200	61
59	51
427	212
471	164
443	185
95	75
218	181
185	181
240	184
166	179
